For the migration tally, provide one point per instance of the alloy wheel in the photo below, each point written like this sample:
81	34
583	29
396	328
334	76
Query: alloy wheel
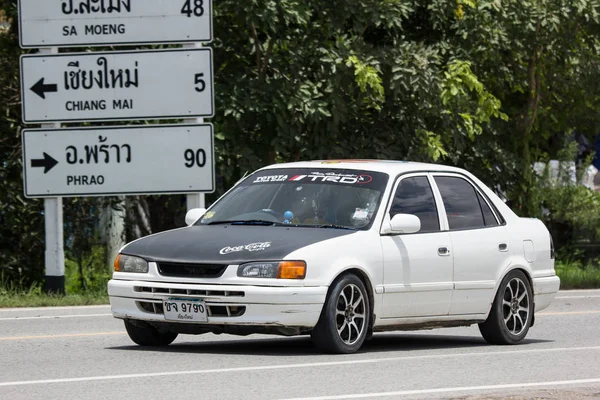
515	306
350	314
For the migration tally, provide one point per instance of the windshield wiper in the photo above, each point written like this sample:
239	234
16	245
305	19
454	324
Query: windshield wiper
335	226
244	222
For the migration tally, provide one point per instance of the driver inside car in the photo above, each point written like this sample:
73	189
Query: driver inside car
308	208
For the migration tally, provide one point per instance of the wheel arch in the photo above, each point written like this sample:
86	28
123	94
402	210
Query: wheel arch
527	272
367	281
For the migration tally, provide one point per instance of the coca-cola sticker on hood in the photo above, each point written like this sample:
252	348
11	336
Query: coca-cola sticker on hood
248	247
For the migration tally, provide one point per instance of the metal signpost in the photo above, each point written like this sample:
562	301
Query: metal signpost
118	160
70	23
111	86
103	86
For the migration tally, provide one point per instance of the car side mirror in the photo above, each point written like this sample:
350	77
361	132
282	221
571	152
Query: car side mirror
405	223
194	215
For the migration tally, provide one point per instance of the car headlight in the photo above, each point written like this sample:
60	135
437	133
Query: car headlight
125	263
276	270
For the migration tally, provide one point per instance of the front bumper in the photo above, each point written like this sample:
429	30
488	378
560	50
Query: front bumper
243	305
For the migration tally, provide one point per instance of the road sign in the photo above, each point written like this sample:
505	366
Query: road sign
120	85
70	23
118	160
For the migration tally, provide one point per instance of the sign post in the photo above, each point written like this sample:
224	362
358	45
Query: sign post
114	86
54	254
194	200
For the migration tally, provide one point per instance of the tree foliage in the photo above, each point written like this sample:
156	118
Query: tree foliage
488	85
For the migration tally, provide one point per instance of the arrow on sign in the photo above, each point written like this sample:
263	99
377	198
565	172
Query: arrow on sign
47	163
40	88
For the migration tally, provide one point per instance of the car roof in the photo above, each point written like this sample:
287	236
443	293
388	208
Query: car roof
390	167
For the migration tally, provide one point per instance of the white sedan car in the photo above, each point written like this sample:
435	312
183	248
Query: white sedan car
339	250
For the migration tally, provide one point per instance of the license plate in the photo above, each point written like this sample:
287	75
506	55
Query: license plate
185	310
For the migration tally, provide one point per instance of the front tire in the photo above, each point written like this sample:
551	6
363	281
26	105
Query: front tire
512	311
344	321
146	335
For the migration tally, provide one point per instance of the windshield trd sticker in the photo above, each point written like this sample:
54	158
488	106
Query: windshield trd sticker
362	179
260	246
334	177
359	178
270	178
298	178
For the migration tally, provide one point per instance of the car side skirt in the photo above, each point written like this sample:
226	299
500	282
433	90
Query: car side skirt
434	322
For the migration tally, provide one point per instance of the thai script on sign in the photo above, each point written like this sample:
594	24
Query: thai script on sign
93	154
102	78
95	6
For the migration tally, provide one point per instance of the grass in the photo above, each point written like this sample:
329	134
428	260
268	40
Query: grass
45	300
576	275
34	296
573	275
16	293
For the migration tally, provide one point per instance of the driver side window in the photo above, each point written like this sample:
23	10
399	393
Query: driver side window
414	196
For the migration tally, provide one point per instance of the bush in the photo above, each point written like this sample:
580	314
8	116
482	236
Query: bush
576	275
570	210
89	274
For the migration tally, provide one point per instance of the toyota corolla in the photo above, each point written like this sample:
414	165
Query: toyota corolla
339	250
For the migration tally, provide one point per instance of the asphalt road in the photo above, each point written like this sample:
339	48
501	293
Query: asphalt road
83	353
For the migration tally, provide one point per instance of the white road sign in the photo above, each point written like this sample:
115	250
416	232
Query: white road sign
102	86
69	23
118	160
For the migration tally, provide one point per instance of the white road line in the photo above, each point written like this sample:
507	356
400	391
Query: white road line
53	317
290	366
591	296
542	314
25	309
66	335
452	389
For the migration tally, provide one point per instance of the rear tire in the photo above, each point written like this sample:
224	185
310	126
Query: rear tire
146	335
344	321
512	311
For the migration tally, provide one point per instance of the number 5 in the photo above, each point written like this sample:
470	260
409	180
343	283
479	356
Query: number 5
200	83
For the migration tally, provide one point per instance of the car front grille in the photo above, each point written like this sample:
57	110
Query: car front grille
189	292
185	270
213	310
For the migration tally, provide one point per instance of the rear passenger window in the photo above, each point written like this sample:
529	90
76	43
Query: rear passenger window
414	196
488	215
461	203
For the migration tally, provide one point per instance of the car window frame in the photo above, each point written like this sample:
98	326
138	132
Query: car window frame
436	197
500	220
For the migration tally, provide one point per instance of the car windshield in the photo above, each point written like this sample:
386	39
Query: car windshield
315	197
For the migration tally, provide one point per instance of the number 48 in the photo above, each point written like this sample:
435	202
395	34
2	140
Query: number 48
195	7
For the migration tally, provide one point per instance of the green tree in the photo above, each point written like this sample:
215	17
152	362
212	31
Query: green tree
540	58
298	80
488	85
21	220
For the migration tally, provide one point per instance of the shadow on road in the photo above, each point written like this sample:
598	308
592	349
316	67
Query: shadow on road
302	346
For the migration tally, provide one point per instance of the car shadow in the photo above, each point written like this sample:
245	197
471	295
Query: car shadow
302	345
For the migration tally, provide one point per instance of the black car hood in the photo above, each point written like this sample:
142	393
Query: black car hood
230	244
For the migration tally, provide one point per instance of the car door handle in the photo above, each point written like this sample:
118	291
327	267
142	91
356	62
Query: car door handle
443	251
503	247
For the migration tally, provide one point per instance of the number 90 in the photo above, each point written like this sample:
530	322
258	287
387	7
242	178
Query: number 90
195	158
